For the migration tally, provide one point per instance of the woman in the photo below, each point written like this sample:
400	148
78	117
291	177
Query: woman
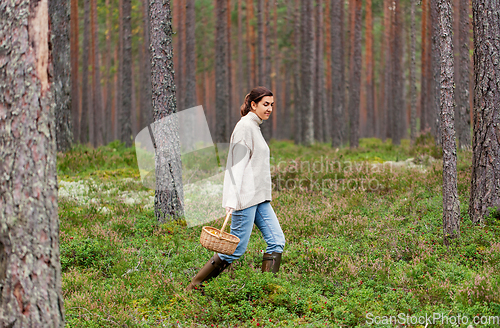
247	189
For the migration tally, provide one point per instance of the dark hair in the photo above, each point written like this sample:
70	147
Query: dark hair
256	95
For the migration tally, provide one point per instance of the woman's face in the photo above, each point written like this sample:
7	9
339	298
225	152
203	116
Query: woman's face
264	108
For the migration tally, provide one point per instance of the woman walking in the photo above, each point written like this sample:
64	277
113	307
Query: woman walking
247	189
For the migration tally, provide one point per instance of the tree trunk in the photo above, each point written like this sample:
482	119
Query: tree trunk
424	74
240	84
59	12
355	77
180	54
328	79
260	41
297	99
190	76
397	108
84	122
30	268
221	72
435	87
252	79
462	111
451	203
485	182
169	191
98	116
231	112
126	76
413	88
276	77
146	105
307	58
338	86
370	101
107	131
388	100
318	74
119	73
75	90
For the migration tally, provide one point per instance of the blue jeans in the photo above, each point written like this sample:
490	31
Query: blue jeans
265	219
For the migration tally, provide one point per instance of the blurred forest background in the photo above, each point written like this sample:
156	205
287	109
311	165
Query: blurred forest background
361	62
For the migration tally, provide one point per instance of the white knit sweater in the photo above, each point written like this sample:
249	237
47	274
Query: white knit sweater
247	180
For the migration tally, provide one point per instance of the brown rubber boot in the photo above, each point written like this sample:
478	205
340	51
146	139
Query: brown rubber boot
271	262
210	270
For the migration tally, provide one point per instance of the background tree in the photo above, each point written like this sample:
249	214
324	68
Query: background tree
485	182
463	84
338	86
97	109
413	85
355	77
221	73
370	91
75	90
169	191
297	79
59	12
451	203
30	269
126	77
307	71
86	106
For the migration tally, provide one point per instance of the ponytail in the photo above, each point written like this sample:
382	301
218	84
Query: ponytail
255	95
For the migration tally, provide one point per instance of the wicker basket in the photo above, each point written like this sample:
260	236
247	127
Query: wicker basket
219	241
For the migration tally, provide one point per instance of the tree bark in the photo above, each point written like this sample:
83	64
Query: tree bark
252	76
126	76
318	74
463	108
307	60
338	85
485	182
424	77
98	116
231	112
413	88
59	12
397	109
434	109
221	72
169	191
267	125
75	53
30	269
451	203
84	122
355	77
297	99
370	101
108	131
146	105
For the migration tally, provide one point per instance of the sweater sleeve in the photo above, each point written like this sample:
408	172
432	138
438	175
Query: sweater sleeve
237	163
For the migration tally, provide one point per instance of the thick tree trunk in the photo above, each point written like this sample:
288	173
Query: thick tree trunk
297	99
30	269
355	77
451	203
75	53
221	72
98	116
169	191
86	107
126	76
307	58
370	101
463	104
59	12
338	85
485	183
413	88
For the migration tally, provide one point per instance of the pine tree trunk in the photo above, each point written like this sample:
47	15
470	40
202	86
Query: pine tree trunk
307	58
239	86
297	99
98	116
169	191
424	77
338	85
146	105
413	87
230	112
275	76
485	183
75	53
180	55
221	72
59	12
86	106
462	111
328	81
355	77
388	100
30	269
370	101
434	109
318	74
190	76
119	73
397	110
252	70
126	76
451	203
107	131
260	42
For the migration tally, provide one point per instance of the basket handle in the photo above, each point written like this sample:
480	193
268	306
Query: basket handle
224	225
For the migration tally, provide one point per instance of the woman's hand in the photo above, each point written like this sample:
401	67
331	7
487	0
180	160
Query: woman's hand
229	210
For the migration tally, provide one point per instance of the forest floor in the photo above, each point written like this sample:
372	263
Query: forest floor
367	247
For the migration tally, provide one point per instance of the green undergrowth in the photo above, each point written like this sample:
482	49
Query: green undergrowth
354	251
